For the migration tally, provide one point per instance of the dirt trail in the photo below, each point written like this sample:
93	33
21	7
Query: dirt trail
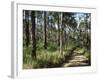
77	59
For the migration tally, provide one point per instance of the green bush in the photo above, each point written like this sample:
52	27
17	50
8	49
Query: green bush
88	55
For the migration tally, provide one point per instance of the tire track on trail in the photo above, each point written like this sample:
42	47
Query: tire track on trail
77	59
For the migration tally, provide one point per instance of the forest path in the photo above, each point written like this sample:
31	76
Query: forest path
76	59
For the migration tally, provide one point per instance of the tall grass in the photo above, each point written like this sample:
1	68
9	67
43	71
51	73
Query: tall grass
45	58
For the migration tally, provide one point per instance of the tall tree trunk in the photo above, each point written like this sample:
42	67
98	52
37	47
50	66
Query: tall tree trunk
58	33
65	39
45	34
61	33
27	27
33	35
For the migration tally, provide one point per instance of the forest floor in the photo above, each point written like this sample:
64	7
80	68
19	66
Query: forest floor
76	59
73	57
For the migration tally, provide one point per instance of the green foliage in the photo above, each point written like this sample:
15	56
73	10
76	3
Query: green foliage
27	54
51	47
45	58
39	45
88	54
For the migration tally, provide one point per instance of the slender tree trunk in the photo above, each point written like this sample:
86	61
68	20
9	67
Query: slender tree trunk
27	27
61	33
65	39
45	34
87	25
33	35
49	32
58	33
24	26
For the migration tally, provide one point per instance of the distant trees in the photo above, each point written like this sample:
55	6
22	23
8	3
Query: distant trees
66	19
87	30
84	30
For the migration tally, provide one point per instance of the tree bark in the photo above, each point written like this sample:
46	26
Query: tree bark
45	34
58	33
33	35
61	33
27	27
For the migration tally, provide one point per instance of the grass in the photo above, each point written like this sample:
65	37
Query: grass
48	58
88	54
45	59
